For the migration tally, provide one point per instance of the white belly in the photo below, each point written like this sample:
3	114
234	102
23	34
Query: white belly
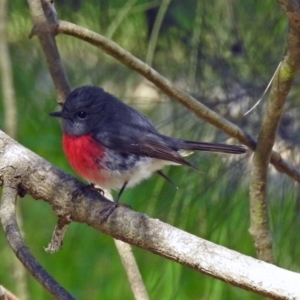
143	169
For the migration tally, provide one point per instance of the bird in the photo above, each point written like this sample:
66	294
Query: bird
114	146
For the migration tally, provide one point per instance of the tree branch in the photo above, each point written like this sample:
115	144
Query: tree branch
275	106
58	235
45	23
132	270
11	183
43	181
162	83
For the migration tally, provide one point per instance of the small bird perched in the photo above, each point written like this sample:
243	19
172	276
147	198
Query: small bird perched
112	145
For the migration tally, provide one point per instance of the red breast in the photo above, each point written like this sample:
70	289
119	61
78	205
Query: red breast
84	155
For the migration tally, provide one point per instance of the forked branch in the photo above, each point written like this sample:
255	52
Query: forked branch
11	185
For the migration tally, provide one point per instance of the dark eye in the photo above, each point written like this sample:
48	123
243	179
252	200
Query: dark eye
81	115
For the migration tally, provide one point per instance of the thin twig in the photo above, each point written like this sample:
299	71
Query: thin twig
162	83
45	25
14	238
58	235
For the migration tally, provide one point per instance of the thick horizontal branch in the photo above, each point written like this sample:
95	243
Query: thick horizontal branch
166	86
43	181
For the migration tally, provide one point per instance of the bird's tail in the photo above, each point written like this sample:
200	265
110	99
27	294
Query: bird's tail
188	147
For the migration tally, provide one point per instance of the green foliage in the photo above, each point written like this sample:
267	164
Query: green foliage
240	44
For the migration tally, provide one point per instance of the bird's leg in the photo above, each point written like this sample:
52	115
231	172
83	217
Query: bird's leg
121	191
107	212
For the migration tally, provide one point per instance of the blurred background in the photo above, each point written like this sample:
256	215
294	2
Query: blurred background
222	52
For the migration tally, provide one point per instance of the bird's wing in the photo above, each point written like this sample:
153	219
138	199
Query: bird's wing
131	140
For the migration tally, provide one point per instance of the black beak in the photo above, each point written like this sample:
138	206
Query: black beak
57	114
